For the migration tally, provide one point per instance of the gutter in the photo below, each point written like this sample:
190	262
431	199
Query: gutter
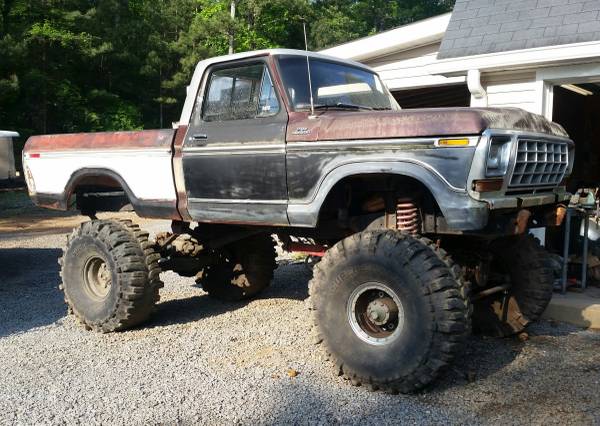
478	93
517	59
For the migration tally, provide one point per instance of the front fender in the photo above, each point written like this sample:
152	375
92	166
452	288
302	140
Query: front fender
461	212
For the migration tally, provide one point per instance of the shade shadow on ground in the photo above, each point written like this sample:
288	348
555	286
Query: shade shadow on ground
29	294
290	282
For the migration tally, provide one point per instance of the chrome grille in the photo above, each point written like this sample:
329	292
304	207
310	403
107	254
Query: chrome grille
539	163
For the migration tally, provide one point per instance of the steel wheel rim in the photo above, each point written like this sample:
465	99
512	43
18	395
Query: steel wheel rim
375	313
97	278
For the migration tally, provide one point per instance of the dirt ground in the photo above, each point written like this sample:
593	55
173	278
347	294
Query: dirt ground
18	215
201	361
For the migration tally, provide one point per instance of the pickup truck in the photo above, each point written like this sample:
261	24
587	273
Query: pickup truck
419	217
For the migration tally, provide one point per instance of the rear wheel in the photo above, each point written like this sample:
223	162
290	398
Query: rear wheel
389	309
110	275
241	270
529	269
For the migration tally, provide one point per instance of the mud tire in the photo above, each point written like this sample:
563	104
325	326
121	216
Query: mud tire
531	272
435	304
134	275
244	269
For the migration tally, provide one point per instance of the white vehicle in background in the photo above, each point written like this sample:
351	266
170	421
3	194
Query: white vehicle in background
7	156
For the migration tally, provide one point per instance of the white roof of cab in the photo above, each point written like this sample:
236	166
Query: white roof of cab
7	134
194	86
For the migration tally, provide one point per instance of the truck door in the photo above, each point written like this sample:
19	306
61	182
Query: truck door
234	149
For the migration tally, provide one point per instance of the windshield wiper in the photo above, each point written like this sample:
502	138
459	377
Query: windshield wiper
341	105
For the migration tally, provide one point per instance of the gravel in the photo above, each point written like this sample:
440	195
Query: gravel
199	360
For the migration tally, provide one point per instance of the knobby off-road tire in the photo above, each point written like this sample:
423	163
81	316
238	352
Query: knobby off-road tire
110	275
531	274
244	269
367	272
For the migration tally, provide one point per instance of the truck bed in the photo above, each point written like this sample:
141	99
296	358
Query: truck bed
139	161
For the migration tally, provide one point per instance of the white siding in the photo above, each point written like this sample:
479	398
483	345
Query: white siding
519	90
409	68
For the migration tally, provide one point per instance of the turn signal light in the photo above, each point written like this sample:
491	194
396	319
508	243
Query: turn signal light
453	142
487	185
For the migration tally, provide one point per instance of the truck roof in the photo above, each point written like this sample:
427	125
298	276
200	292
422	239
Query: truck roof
194	86
8	134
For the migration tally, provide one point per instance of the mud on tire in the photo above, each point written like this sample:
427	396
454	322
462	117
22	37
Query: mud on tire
244	269
110	275
531	273
351	296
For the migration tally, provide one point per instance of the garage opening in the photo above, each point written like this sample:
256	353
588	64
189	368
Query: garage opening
577	108
434	97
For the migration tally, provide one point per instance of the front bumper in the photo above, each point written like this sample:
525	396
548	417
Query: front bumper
502	201
498	215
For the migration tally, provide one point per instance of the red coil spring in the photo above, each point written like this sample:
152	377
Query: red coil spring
407	216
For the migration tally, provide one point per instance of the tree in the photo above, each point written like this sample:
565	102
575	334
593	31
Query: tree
339	21
91	65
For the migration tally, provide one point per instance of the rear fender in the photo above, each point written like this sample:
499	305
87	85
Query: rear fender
102	177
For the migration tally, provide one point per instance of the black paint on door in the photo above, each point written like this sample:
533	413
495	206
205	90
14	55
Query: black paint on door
234	151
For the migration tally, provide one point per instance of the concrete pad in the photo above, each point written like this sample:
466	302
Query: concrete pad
577	308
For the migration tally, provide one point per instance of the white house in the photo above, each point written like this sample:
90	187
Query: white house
539	55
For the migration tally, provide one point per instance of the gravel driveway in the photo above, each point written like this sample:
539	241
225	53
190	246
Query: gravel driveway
199	360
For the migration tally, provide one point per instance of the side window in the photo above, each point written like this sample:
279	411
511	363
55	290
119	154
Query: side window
267	104
240	93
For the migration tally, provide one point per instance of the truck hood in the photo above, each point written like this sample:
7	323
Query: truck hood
341	125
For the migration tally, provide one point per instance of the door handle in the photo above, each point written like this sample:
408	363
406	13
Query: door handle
199	139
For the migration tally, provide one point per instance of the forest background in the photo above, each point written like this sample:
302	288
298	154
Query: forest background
95	65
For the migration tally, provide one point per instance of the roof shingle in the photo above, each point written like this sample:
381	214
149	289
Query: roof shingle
487	26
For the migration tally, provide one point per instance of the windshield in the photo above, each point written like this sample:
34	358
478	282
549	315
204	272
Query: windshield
335	85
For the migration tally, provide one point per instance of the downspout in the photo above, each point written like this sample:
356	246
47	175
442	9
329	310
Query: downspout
478	93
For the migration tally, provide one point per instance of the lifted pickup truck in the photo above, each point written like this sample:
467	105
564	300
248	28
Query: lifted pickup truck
420	216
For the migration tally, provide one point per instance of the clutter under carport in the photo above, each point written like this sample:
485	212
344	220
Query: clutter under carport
584	207
579	283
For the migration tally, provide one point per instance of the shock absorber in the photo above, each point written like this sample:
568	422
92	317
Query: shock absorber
408	218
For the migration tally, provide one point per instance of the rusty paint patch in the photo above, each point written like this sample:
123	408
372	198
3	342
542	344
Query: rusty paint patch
434	122
522	222
105	140
178	176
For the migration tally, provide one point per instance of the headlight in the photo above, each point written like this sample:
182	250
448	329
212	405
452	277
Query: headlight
498	156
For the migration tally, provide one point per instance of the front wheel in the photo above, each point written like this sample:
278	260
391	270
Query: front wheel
390	309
